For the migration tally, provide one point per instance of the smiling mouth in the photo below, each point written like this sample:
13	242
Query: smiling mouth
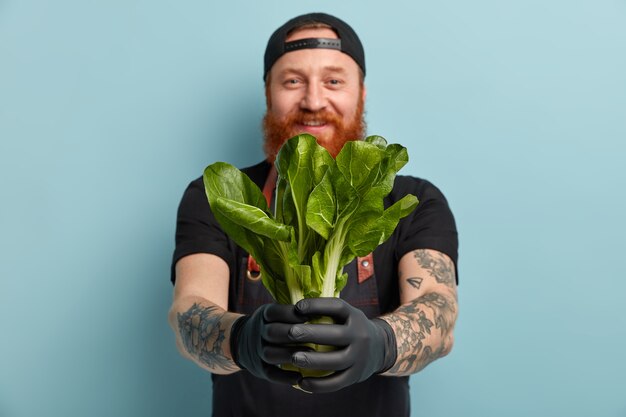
313	124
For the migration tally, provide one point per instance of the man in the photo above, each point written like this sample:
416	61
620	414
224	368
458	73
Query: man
398	310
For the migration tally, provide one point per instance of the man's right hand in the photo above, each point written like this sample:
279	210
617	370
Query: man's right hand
260	342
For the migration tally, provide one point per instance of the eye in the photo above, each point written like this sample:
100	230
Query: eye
334	83
292	83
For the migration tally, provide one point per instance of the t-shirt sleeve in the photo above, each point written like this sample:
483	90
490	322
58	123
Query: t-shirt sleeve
431	225
197	230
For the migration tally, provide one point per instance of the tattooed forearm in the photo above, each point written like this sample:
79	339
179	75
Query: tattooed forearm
423	331
424	322
202	333
437	265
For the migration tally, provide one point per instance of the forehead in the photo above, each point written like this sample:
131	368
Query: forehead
314	59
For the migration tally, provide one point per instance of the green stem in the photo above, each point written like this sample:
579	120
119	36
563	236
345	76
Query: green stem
291	279
302	227
332	252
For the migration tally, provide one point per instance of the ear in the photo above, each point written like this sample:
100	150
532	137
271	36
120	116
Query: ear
363	92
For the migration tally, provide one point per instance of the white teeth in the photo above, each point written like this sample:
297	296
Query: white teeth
313	123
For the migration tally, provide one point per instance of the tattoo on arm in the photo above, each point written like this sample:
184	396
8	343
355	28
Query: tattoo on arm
203	335
415	282
443	310
422	328
438	266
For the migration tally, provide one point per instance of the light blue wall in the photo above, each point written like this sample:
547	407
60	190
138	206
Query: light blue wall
516	109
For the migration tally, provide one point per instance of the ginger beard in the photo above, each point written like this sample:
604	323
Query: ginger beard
278	131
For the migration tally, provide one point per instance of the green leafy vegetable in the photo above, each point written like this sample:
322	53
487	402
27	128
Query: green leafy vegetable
327	212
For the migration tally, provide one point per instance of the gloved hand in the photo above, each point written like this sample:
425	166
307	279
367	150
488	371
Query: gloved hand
364	346
260	341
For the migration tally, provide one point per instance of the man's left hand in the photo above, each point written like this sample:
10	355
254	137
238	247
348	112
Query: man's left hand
364	346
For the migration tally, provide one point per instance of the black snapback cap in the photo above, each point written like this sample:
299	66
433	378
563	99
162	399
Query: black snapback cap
348	42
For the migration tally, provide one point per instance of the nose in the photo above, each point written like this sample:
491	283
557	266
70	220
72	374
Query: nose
314	98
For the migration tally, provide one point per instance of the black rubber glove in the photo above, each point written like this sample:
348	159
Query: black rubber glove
364	346
260	341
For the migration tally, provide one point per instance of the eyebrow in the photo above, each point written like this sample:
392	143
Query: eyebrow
329	68
335	69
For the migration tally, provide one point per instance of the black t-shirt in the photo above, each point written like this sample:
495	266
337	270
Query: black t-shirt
430	226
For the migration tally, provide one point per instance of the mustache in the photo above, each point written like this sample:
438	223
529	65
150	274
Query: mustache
306	116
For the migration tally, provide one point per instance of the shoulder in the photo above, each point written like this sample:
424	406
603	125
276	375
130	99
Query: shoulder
419	187
431	225
431	201
257	174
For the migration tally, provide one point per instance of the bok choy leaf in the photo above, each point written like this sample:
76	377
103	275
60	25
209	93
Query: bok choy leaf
327	212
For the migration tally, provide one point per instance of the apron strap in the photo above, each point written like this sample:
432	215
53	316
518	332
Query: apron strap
365	267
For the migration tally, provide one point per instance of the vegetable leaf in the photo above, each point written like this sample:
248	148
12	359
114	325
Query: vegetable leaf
327	212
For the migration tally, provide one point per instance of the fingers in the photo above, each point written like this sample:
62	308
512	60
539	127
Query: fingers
277	333
282	313
285	324
278	320
330	306
336	360
279	355
321	334
284	332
